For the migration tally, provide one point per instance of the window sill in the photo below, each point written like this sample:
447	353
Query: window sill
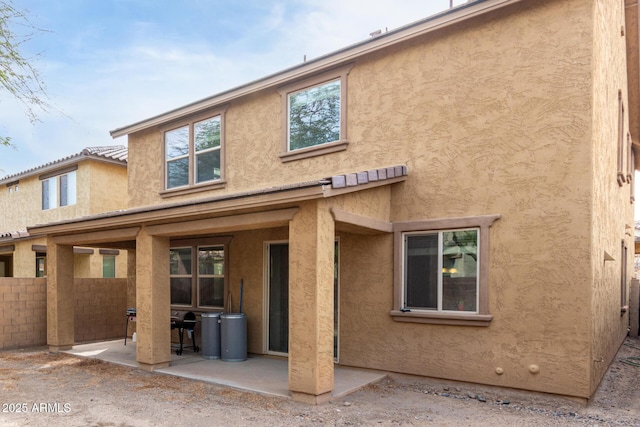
317	150
436	318
193	189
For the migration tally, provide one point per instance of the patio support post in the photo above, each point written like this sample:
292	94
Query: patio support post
311	270
131	285
60	297
153	347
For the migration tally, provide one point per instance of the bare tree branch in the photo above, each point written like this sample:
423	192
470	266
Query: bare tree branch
18	76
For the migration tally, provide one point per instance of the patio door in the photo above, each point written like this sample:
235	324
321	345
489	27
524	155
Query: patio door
277	316
277	304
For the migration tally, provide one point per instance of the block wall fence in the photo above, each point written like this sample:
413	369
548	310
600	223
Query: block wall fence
100	306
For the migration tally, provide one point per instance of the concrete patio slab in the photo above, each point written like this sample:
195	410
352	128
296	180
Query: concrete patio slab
260	374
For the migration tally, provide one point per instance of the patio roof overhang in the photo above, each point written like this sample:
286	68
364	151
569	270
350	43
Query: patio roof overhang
263	208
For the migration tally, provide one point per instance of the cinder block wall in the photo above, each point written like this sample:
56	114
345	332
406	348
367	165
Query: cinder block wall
100	307
23	308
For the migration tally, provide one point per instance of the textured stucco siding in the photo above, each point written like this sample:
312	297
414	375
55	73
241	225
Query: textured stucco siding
100	187
612	219
498	123
107	187
505	115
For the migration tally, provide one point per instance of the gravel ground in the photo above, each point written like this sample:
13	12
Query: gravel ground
42	389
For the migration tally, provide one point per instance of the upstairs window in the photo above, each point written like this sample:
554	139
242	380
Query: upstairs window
314	115
59	190
193	153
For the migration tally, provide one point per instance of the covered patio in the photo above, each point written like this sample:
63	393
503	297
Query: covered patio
306	216
259	374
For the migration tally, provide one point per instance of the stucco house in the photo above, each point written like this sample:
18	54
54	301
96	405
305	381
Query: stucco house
452	199
82	184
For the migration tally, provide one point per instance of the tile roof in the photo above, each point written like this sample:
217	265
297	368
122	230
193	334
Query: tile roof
13	235
112	153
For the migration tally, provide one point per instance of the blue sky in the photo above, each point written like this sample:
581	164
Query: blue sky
110	63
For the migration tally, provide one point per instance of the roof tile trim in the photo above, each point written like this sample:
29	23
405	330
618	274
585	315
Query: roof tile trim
364	177
117	153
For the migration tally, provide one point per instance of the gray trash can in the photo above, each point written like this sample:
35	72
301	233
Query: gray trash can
233	337
211	335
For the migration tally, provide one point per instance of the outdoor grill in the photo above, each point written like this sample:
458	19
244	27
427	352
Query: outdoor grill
184	321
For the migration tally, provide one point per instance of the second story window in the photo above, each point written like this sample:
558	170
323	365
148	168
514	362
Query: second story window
314	118
314	115
193	153
59	190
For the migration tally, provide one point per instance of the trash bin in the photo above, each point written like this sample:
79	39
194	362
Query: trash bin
233	337
210	335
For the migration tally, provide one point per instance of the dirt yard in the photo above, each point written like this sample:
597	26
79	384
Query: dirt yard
42	389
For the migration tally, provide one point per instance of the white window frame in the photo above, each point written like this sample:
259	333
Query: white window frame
54	187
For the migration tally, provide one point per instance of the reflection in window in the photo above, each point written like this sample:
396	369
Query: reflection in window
441	270
177	156
203	277
192	153
314	115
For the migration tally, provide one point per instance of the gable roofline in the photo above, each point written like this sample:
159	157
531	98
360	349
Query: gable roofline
326	62
111	154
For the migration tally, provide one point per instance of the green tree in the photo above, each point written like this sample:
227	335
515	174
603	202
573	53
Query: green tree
18	76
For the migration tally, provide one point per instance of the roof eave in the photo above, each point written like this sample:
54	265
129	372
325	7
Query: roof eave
39	170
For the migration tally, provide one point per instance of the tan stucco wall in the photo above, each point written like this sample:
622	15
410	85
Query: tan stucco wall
24	257
107	183
107	187
100	187
504	116
613	212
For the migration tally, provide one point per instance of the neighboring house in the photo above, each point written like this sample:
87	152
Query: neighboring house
451	199
83	184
